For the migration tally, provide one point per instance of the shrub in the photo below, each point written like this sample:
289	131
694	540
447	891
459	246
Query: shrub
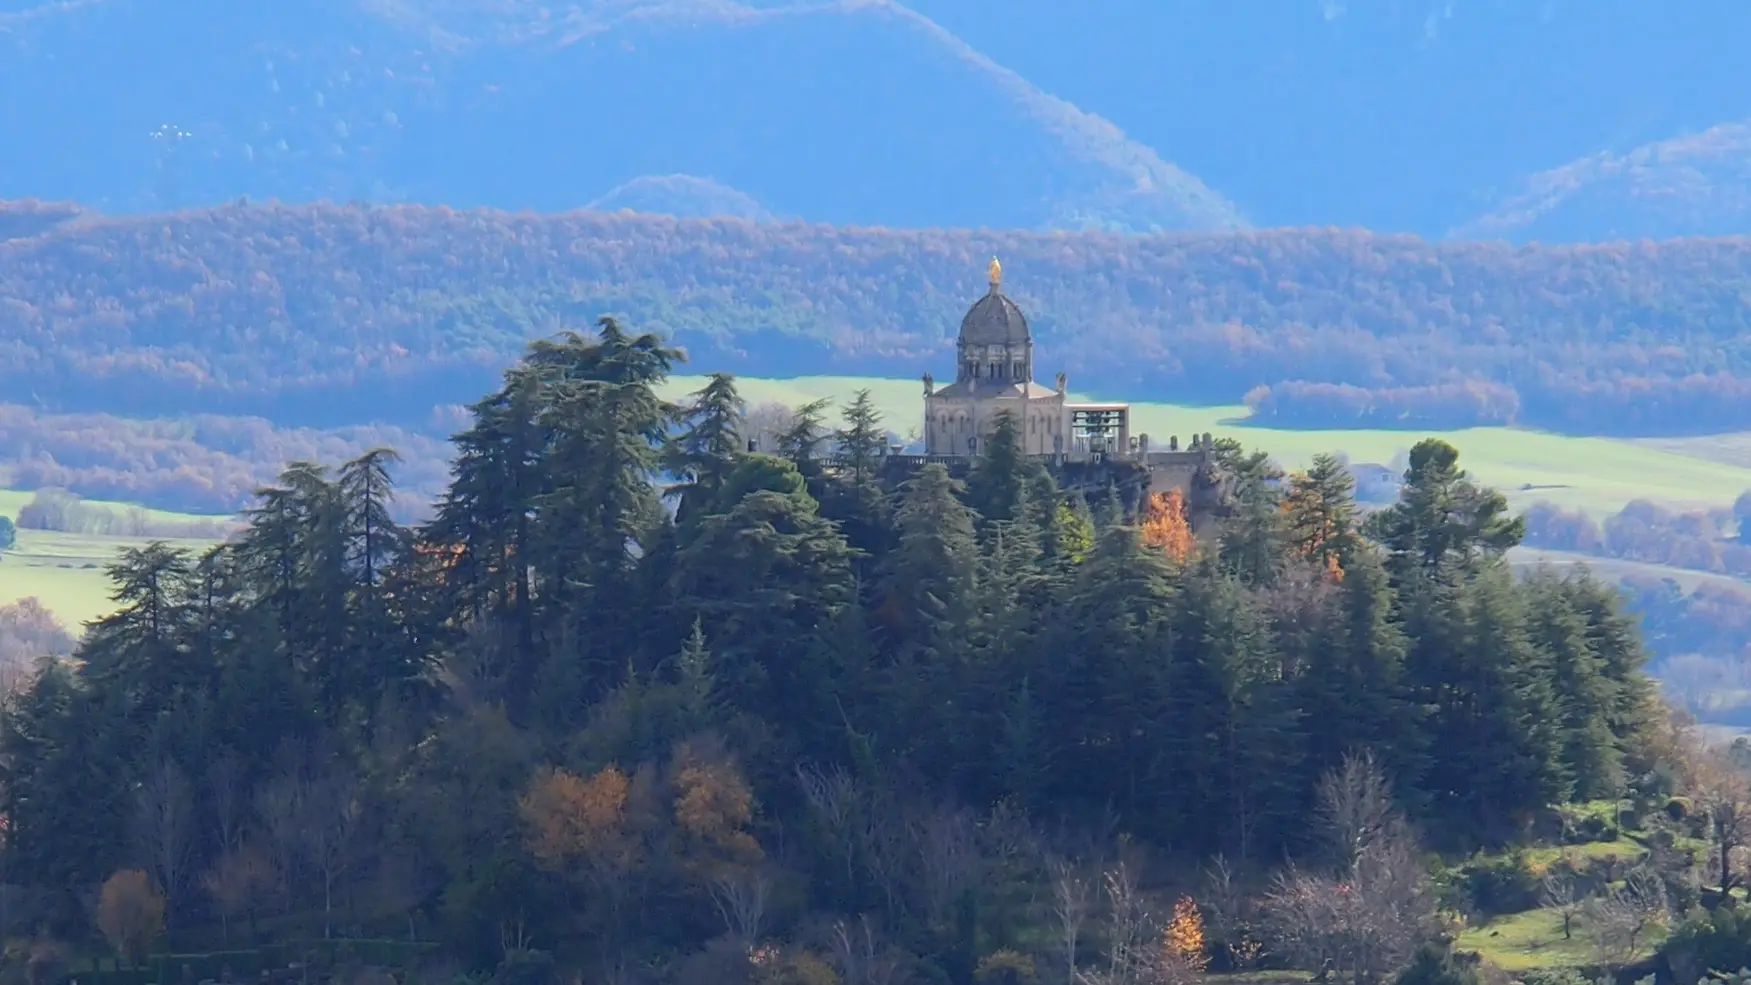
1494	885
526	967
1707	942
1436	965
130	912
1558	976
1678	808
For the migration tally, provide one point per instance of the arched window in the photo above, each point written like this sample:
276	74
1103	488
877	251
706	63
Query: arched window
1018	373
994	371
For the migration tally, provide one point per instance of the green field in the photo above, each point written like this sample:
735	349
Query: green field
66	571
1595	475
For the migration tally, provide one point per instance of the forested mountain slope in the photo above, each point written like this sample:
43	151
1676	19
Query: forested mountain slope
327	315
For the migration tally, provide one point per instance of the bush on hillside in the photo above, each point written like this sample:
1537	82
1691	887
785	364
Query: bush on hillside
1711	941
1438	965
1498	884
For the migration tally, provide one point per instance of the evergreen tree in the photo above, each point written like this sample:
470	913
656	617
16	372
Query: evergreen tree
861	443
1442	518
709	444
1002	472
800	442
930	574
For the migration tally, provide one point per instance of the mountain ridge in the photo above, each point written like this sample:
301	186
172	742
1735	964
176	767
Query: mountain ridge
327	315
1091	173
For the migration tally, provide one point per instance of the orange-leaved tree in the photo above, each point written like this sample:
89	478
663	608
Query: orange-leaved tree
573	819
713	808
1165	525
1183	940
1320	509
591	830
130	912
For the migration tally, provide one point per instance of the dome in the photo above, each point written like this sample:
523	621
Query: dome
994	320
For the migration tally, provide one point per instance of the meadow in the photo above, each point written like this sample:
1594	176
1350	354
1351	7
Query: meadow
65	571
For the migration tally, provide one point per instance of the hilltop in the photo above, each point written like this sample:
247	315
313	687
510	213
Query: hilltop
326	315
1699	184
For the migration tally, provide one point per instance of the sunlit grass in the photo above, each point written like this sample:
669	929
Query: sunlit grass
65	571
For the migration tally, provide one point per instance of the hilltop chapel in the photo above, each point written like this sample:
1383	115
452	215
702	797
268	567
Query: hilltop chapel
995	374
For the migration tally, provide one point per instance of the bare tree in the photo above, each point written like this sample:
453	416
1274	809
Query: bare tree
1355	807
833	800
1366	914
1072	902
1130	930
1723	792
763	423
280	807
1617	921
949	858
741	897
164	825
860	958
238	883
1226	902
1564	894
229	796
328	829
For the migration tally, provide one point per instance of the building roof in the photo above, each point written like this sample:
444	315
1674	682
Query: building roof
997	391
994	320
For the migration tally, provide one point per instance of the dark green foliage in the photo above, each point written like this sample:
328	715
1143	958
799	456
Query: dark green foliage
1710	941
1498	884
1434	964
913	681
8	533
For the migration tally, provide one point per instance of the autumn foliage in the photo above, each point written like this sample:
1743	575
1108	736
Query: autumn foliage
1165	526
572	818
1183	940
130	912
303	313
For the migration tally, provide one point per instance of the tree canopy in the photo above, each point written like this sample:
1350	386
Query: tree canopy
562	717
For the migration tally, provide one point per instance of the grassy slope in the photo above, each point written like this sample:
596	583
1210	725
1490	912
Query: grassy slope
1596	475
66	571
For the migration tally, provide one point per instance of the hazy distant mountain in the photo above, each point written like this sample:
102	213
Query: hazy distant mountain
1697	185
1397	115
861	111
683	196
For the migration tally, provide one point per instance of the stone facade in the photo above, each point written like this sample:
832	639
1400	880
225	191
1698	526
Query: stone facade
994	359
994	375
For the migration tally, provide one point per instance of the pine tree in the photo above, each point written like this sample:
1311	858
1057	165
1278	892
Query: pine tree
1442	518
859	445
709	444
929	577
1251	539
800	443
1320	513
1001	472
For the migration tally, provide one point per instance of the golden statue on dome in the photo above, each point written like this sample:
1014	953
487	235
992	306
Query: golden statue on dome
996	273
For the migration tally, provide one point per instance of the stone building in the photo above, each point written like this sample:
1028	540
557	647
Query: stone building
994	375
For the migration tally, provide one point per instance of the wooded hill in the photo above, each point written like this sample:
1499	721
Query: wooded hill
561	725
328	315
